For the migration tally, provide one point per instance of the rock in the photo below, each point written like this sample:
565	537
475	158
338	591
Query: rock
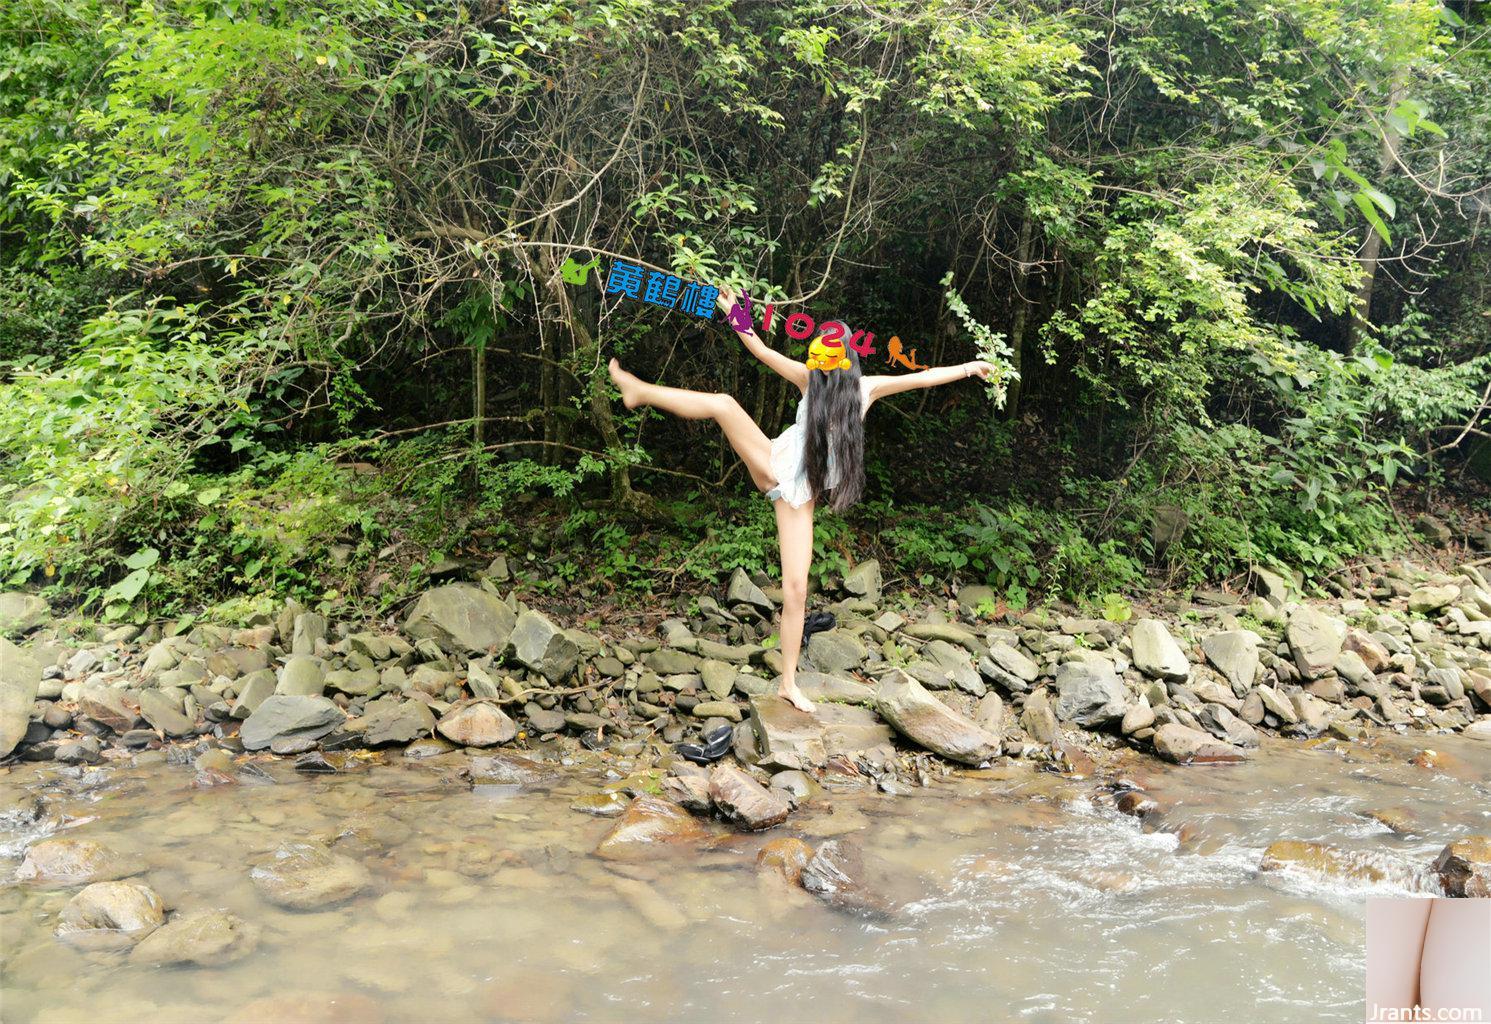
304	876
609	804
949	632
1275	704
20	678
107	706
1038	719
298	718
1137	717
461	618
543	647
311	1007
110	915
394	720
165	714
989	713
476	724
83	750
1372	653
1234	653
649	823
728	710
816	686
718	677
58	863
542	721
1223	724
21	612
835	651
1427	600
1138	804
1320	859
925	720
302	676
690	792
1464	867
207	938
1270	585
745	801
1182	745
743	591
787	857
1090	694
972	596
836	874
790	738
309	628
1155	652
864	580
668	662
1315	640
253	690
1008	667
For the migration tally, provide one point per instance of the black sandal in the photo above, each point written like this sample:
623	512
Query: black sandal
817	622
715	746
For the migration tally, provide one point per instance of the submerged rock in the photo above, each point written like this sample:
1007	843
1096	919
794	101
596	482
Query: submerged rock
836	874
787	857
925	720
56	863
303	876
1320	859
110	915
206	938
745	801
310	1008
650	822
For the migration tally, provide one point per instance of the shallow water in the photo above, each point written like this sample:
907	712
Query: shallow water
1017	896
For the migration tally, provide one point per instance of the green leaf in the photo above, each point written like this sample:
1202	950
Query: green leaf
143	559
1369	211
209	495
129	588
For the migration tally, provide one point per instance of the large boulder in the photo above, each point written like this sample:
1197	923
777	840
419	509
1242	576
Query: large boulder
1090	694
303	876
836	874
166	713
790	738
1315	640
925	720
20	678
649	824
1427	600
745	801
110	915
864	580
1182	745
286	718
1464	867
1156	653
743	591
834	650
461	618
477	724
1234	653
21	612
59	863
543	647
816	686
206	938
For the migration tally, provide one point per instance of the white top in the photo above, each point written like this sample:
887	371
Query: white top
789	454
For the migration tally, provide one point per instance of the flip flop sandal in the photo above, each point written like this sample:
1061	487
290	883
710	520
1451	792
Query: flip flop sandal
715	746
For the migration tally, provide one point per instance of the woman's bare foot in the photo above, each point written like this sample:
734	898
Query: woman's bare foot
628	383
792	693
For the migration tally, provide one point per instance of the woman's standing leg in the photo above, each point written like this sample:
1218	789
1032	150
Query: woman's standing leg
753	446
795	536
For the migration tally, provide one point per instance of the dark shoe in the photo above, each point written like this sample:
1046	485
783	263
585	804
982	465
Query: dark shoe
817	622
715	746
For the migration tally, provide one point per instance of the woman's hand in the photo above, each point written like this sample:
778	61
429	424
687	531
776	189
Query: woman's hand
979	369
726	299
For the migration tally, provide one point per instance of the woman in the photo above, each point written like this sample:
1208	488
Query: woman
819	457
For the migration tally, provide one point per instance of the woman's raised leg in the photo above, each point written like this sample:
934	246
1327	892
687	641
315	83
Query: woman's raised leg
748	440
795	536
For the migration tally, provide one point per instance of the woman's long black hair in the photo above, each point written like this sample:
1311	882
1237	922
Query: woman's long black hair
836	423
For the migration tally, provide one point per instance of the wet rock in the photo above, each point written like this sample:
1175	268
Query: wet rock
107	706
1156	653
83	750
1427	600
110	915
1234	653
836	874
1320	859
20	678
744	801
864	580
462	619
1315	640
207	938
57	863
477	724
690	792
648	824
310	1008
791	738
1090	694
392	720
510	770
302	676
1138	804
21	612
165	714
787	857
610	804
1464	867
1226	726
1398	820
542	646
925	720
1038	719
1181	745
289	718
304	876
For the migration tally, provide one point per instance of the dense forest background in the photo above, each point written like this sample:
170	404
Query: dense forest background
281	308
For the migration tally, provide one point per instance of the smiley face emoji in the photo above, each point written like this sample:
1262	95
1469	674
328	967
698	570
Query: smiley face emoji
827	356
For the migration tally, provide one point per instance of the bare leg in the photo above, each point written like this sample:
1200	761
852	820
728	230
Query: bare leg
795	536
1395	944
1455	976
753	446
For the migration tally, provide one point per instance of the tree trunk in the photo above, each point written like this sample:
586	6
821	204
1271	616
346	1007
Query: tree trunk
1372	250
1022	314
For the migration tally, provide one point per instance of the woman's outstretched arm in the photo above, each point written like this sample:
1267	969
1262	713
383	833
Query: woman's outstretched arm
787	367
896	383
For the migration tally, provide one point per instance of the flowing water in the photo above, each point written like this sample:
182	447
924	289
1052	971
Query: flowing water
1015	895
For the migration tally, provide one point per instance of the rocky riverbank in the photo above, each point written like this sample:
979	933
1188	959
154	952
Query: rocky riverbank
902	692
